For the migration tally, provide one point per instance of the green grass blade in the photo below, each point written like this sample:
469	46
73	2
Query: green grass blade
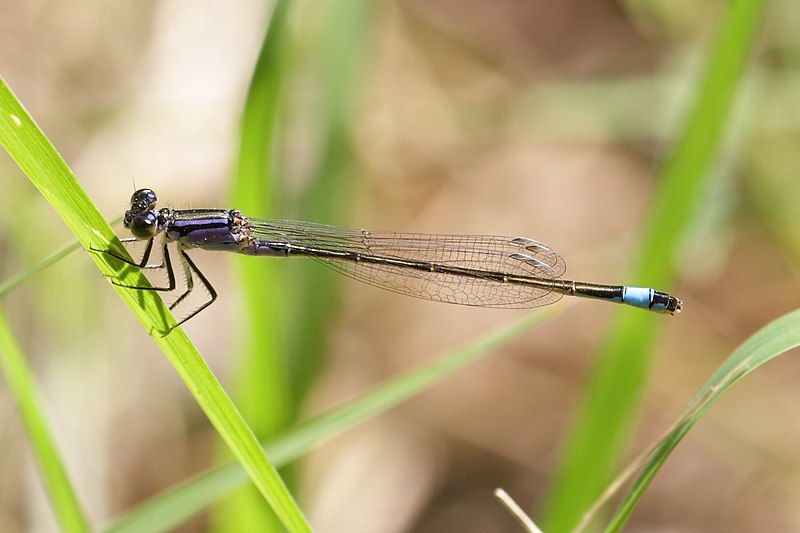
55	257
283	351
263	368
340	56
168	510
261	386
17	279
36	156
19	379
607	414
776	338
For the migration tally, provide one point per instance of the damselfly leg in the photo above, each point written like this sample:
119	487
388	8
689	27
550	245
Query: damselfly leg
189	271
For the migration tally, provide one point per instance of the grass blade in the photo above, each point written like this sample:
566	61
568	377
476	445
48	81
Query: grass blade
18	376
283	352
55	257
11	283
168	510
609	408
340	53
36	156
776	338
261	386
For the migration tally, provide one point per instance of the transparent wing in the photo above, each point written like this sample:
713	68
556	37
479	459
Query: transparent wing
513	256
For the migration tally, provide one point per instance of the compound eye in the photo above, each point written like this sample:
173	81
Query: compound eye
144	226
143	200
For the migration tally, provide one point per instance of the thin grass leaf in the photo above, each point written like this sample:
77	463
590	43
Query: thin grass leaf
14	281
36	156
19	378
262	368
170	509
276	368
607	414
516	511
776	338
19	278
261	385
339	58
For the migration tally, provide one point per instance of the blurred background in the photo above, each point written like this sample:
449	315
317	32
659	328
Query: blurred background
543	119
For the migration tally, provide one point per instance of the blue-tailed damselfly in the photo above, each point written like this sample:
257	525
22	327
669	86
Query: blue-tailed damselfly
477	270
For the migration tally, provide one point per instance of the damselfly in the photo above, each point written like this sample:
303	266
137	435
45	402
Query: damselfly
477	270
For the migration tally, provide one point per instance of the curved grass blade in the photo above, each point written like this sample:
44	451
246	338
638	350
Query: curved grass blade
516	511
776	338
37	157
67	509
261	384
170	509
609	408
17	279
280	358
